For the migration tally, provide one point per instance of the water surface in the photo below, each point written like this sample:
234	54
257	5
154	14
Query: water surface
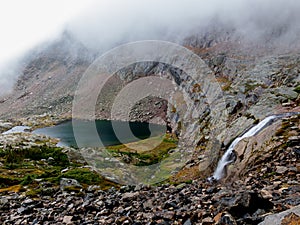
64	132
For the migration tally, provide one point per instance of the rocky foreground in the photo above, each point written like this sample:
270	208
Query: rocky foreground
196	203
62	196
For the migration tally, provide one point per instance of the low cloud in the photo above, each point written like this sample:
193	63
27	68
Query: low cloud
108	23
112	22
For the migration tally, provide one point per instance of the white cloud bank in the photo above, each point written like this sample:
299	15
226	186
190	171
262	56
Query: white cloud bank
113	21
25	24
103	24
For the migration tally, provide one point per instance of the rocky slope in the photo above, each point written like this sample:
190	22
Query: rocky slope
48	79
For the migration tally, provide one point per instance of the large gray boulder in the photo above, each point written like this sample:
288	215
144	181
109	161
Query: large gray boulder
277	219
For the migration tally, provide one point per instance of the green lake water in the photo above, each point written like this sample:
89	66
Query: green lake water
105	132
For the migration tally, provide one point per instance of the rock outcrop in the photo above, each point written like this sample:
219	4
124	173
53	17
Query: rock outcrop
288	217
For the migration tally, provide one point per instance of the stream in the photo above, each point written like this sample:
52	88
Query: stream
230	156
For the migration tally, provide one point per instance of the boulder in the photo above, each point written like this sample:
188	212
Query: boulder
286	93
67	183
67	219
288	217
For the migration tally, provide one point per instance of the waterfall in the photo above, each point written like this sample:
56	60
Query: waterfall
230	156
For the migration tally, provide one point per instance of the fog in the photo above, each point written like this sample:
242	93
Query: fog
25	24
101	25
112	22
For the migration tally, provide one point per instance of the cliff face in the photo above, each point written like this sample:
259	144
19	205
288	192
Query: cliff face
255	88
255	81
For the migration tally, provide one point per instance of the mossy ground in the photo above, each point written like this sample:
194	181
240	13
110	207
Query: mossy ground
24	168
145	152
28	167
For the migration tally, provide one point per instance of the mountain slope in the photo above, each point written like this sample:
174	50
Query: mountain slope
256	81
48	79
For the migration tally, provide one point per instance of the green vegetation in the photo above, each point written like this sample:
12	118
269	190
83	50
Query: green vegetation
83	176
250	85
24	166
297	89
33	192
269	175
28	179
14	157
8	181
135	153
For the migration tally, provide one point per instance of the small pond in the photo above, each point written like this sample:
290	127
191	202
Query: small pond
106	132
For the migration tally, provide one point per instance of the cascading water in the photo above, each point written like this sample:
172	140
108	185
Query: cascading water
230	156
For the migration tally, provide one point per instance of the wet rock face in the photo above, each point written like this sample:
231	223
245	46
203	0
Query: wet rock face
276	147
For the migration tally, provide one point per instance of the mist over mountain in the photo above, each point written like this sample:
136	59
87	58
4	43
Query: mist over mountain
114	22
106	24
